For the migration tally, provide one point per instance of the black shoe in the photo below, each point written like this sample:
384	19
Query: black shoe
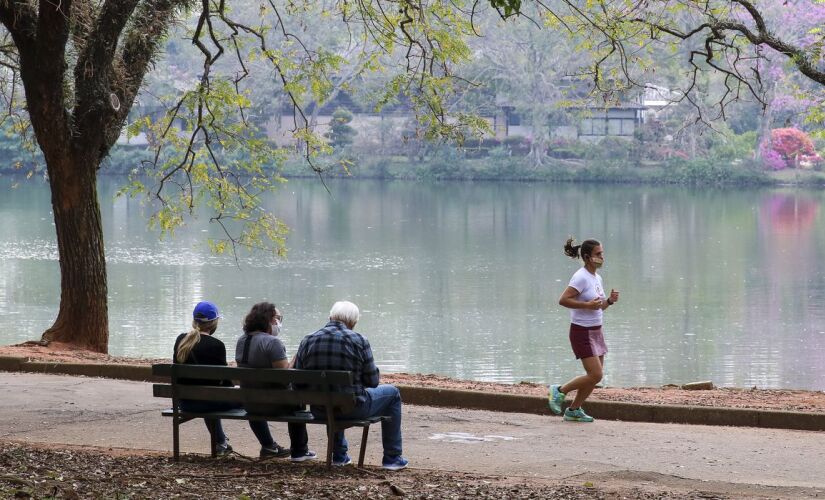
307	455
223	449
275	450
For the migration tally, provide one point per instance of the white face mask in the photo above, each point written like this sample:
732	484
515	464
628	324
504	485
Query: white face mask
276	328
597	261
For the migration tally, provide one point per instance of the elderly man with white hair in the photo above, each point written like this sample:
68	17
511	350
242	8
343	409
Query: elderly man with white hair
337	347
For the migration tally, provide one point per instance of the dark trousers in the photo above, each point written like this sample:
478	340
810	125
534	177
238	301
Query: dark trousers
259	427
298	438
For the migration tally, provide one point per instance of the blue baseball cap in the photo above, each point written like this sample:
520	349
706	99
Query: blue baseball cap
206	311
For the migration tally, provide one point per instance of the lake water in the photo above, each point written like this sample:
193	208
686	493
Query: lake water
462	279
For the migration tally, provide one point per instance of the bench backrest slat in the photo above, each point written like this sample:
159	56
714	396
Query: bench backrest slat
309	387
340	400
255	375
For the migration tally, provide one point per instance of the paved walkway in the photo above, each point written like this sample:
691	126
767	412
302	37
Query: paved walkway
122	414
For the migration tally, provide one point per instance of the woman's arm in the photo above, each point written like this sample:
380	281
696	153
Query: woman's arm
281	363
612	299
277	353
569	300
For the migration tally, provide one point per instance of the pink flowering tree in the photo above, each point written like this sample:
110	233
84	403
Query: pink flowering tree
788	148
788	98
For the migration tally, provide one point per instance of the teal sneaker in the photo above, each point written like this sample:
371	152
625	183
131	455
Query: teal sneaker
577	415
555	398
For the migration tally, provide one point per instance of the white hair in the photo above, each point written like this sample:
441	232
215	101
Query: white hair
346	312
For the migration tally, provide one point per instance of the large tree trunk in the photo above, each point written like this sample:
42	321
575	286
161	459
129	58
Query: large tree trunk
83	316
81	64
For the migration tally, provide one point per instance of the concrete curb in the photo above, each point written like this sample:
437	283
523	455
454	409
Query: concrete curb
615	410
479	400
138	373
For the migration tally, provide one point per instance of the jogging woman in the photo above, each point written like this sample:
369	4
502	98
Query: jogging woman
585	298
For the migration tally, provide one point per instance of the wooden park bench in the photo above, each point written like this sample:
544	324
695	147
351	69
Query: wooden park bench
322	392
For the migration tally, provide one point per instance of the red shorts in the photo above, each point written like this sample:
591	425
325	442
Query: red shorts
587	341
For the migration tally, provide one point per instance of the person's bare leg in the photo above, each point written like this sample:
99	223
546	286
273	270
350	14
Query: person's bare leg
584	384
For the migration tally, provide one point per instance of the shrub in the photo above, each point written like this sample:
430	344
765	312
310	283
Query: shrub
475	147
340	133
661	153
514	140
788	147
733	146
710	172
771	159
499	153
564	148
610	148
517	144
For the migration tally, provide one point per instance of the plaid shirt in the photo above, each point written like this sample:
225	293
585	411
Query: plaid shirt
336	347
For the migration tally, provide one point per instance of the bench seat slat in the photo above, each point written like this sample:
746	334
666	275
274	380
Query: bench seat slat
241	414
302	418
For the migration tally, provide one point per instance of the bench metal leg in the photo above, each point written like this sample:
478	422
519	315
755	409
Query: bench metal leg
330	441
175	439
363	449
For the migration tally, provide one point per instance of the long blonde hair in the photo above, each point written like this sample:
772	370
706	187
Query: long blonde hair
193	336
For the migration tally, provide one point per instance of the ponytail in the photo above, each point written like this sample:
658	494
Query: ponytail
583	250
570	250
192	338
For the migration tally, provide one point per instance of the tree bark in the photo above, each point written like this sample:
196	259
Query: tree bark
83	316
74	141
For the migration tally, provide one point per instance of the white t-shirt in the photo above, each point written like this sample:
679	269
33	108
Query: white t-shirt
589	287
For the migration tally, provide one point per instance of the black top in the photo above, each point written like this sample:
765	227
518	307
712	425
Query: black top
208	351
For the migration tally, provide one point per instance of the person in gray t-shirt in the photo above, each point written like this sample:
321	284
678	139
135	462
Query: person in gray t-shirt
259	347
261	350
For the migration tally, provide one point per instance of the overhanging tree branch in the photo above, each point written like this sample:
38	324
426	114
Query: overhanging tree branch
20	20
718	32
52	35
141	40
95	62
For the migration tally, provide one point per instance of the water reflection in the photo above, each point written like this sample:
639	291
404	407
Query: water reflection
462	279
791	291
790	214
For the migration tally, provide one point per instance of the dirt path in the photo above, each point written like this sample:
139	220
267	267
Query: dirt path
99	435
34	471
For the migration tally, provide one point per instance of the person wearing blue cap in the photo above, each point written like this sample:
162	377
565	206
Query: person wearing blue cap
200	347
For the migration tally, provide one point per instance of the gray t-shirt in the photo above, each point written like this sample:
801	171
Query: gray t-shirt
263	350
